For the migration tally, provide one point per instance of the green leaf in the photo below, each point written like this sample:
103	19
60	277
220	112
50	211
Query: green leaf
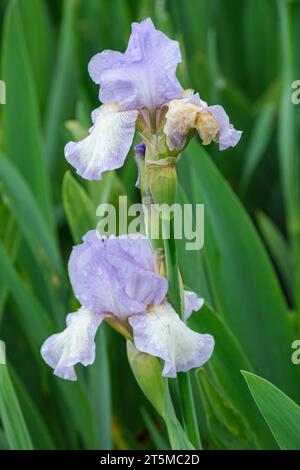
35	321
101	30
193	19
81	218
22	132
258	142
37	326
177	436
288	156
287	132
280	412
35	231
37	426
226	362
11	415
197	278
62	92
147	371
100	391
78	207
10	237
227	428
3	441
39	39
155	433
259	27
279	250
245	290
77	406
108	190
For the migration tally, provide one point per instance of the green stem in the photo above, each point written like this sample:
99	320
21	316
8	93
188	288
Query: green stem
172	267
184	381
188	409
160	184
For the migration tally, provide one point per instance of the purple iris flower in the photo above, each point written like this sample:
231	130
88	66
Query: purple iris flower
115	278
139	82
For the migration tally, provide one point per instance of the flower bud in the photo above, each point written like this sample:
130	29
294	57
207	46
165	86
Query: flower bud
162	180
147	372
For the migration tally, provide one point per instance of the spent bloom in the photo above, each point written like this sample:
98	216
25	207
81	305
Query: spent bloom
139	90
114	279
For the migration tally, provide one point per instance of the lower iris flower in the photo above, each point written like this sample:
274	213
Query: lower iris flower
114	279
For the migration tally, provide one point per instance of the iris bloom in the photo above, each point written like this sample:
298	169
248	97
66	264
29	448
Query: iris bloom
115	279
139	89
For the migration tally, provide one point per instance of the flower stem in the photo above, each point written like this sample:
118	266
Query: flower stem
175	296
184	381
188	409
160	187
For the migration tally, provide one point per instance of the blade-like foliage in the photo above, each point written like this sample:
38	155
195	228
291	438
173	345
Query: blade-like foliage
245	289
280	412
241	54
11	415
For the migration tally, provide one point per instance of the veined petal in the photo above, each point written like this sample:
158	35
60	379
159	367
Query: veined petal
192	303
160	332
145	75
115	275
75	344
94	281
134	248
133	260
227	136
107	145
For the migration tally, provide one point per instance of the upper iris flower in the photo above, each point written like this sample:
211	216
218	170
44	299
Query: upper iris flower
115	279
140	86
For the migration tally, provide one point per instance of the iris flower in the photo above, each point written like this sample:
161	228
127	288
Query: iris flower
139	89
115	279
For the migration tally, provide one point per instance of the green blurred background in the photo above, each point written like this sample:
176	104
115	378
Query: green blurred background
238	53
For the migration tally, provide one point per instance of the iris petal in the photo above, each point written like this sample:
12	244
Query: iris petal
228	136
145	75
75	344
107	145
160	332
192	303
211	122
115	275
